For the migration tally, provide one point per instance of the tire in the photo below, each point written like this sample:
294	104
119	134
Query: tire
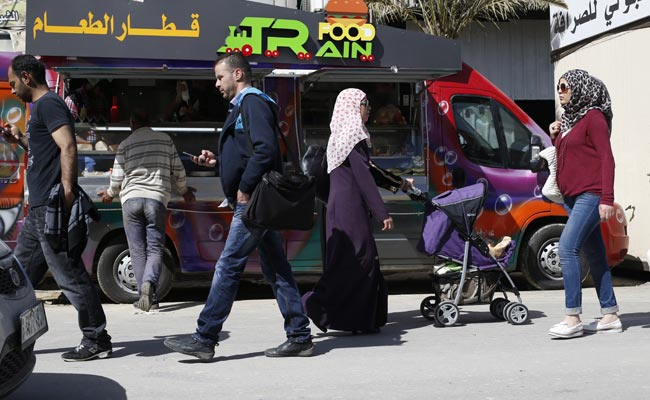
497	306
116	277
428	306
540	258
446	314
516	313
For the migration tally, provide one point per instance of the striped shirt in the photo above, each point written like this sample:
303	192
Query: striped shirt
147	165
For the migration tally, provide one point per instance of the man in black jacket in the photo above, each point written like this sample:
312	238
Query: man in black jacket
246	154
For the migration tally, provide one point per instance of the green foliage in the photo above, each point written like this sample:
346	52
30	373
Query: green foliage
449	17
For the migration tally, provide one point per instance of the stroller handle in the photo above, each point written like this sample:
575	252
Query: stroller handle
416	194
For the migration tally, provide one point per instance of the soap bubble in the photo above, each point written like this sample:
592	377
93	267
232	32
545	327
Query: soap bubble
176	219
439	155
503	204
14	114
216	233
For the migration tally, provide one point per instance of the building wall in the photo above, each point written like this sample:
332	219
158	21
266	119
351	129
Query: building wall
514	55
621	64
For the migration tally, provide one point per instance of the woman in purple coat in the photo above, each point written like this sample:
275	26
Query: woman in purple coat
351	294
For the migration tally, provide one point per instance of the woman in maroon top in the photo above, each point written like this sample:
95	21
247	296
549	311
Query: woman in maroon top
585	176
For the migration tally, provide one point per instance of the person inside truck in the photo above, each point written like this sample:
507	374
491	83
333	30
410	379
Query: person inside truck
195	100
585	176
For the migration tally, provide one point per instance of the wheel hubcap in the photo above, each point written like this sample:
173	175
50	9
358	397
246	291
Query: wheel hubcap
447	314
549	259
124	274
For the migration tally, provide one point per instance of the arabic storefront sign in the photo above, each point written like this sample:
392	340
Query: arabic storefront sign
199	30
12	14
588	18
344	33
12	21
106	26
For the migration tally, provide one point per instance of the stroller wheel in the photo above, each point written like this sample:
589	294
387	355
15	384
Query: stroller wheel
516	313
446	313
428	306
497	307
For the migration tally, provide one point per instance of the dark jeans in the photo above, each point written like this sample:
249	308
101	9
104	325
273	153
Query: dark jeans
144	224
276	269
35	254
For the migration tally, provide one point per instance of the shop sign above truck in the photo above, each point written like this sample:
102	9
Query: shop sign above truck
172	30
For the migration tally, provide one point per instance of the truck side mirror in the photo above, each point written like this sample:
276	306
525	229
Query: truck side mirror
537	163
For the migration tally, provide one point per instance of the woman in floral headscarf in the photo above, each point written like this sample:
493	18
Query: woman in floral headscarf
585	176
351	294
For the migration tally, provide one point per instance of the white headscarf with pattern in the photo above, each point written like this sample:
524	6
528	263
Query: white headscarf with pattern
346	127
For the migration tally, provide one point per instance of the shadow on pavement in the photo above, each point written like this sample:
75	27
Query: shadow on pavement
178	306
68	386
390	335
140	348
398	326
192	360
635	319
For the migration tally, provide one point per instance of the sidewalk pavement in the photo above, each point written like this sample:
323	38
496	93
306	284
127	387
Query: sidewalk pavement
480	358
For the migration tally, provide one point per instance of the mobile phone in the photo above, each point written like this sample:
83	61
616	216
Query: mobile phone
189	154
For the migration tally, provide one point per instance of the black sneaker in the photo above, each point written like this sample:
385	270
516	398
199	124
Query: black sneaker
190	346
291	349
85	352
146	296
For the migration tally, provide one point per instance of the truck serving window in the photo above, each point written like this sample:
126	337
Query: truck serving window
394	124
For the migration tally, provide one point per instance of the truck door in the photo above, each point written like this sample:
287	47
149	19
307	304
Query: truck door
486	141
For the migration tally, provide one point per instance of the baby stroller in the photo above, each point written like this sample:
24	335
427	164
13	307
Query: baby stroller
448	234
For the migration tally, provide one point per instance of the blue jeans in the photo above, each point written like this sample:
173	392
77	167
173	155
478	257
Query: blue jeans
36	255
276	269
144	224
582	233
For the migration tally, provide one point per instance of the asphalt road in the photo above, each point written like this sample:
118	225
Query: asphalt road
479	358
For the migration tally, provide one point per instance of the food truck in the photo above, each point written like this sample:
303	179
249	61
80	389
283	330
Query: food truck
434	119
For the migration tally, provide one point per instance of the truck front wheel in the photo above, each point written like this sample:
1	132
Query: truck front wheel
116	276
541	260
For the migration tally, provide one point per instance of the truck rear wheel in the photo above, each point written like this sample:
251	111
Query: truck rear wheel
540	258
116	276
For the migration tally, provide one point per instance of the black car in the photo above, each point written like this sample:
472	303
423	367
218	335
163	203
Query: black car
22	321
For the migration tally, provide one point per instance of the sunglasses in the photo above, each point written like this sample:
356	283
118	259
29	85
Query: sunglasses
365	103
562	88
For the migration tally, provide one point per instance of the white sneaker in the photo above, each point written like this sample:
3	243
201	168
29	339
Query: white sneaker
564	331
597	327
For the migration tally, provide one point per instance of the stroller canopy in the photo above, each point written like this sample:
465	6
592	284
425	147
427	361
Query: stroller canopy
462	206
